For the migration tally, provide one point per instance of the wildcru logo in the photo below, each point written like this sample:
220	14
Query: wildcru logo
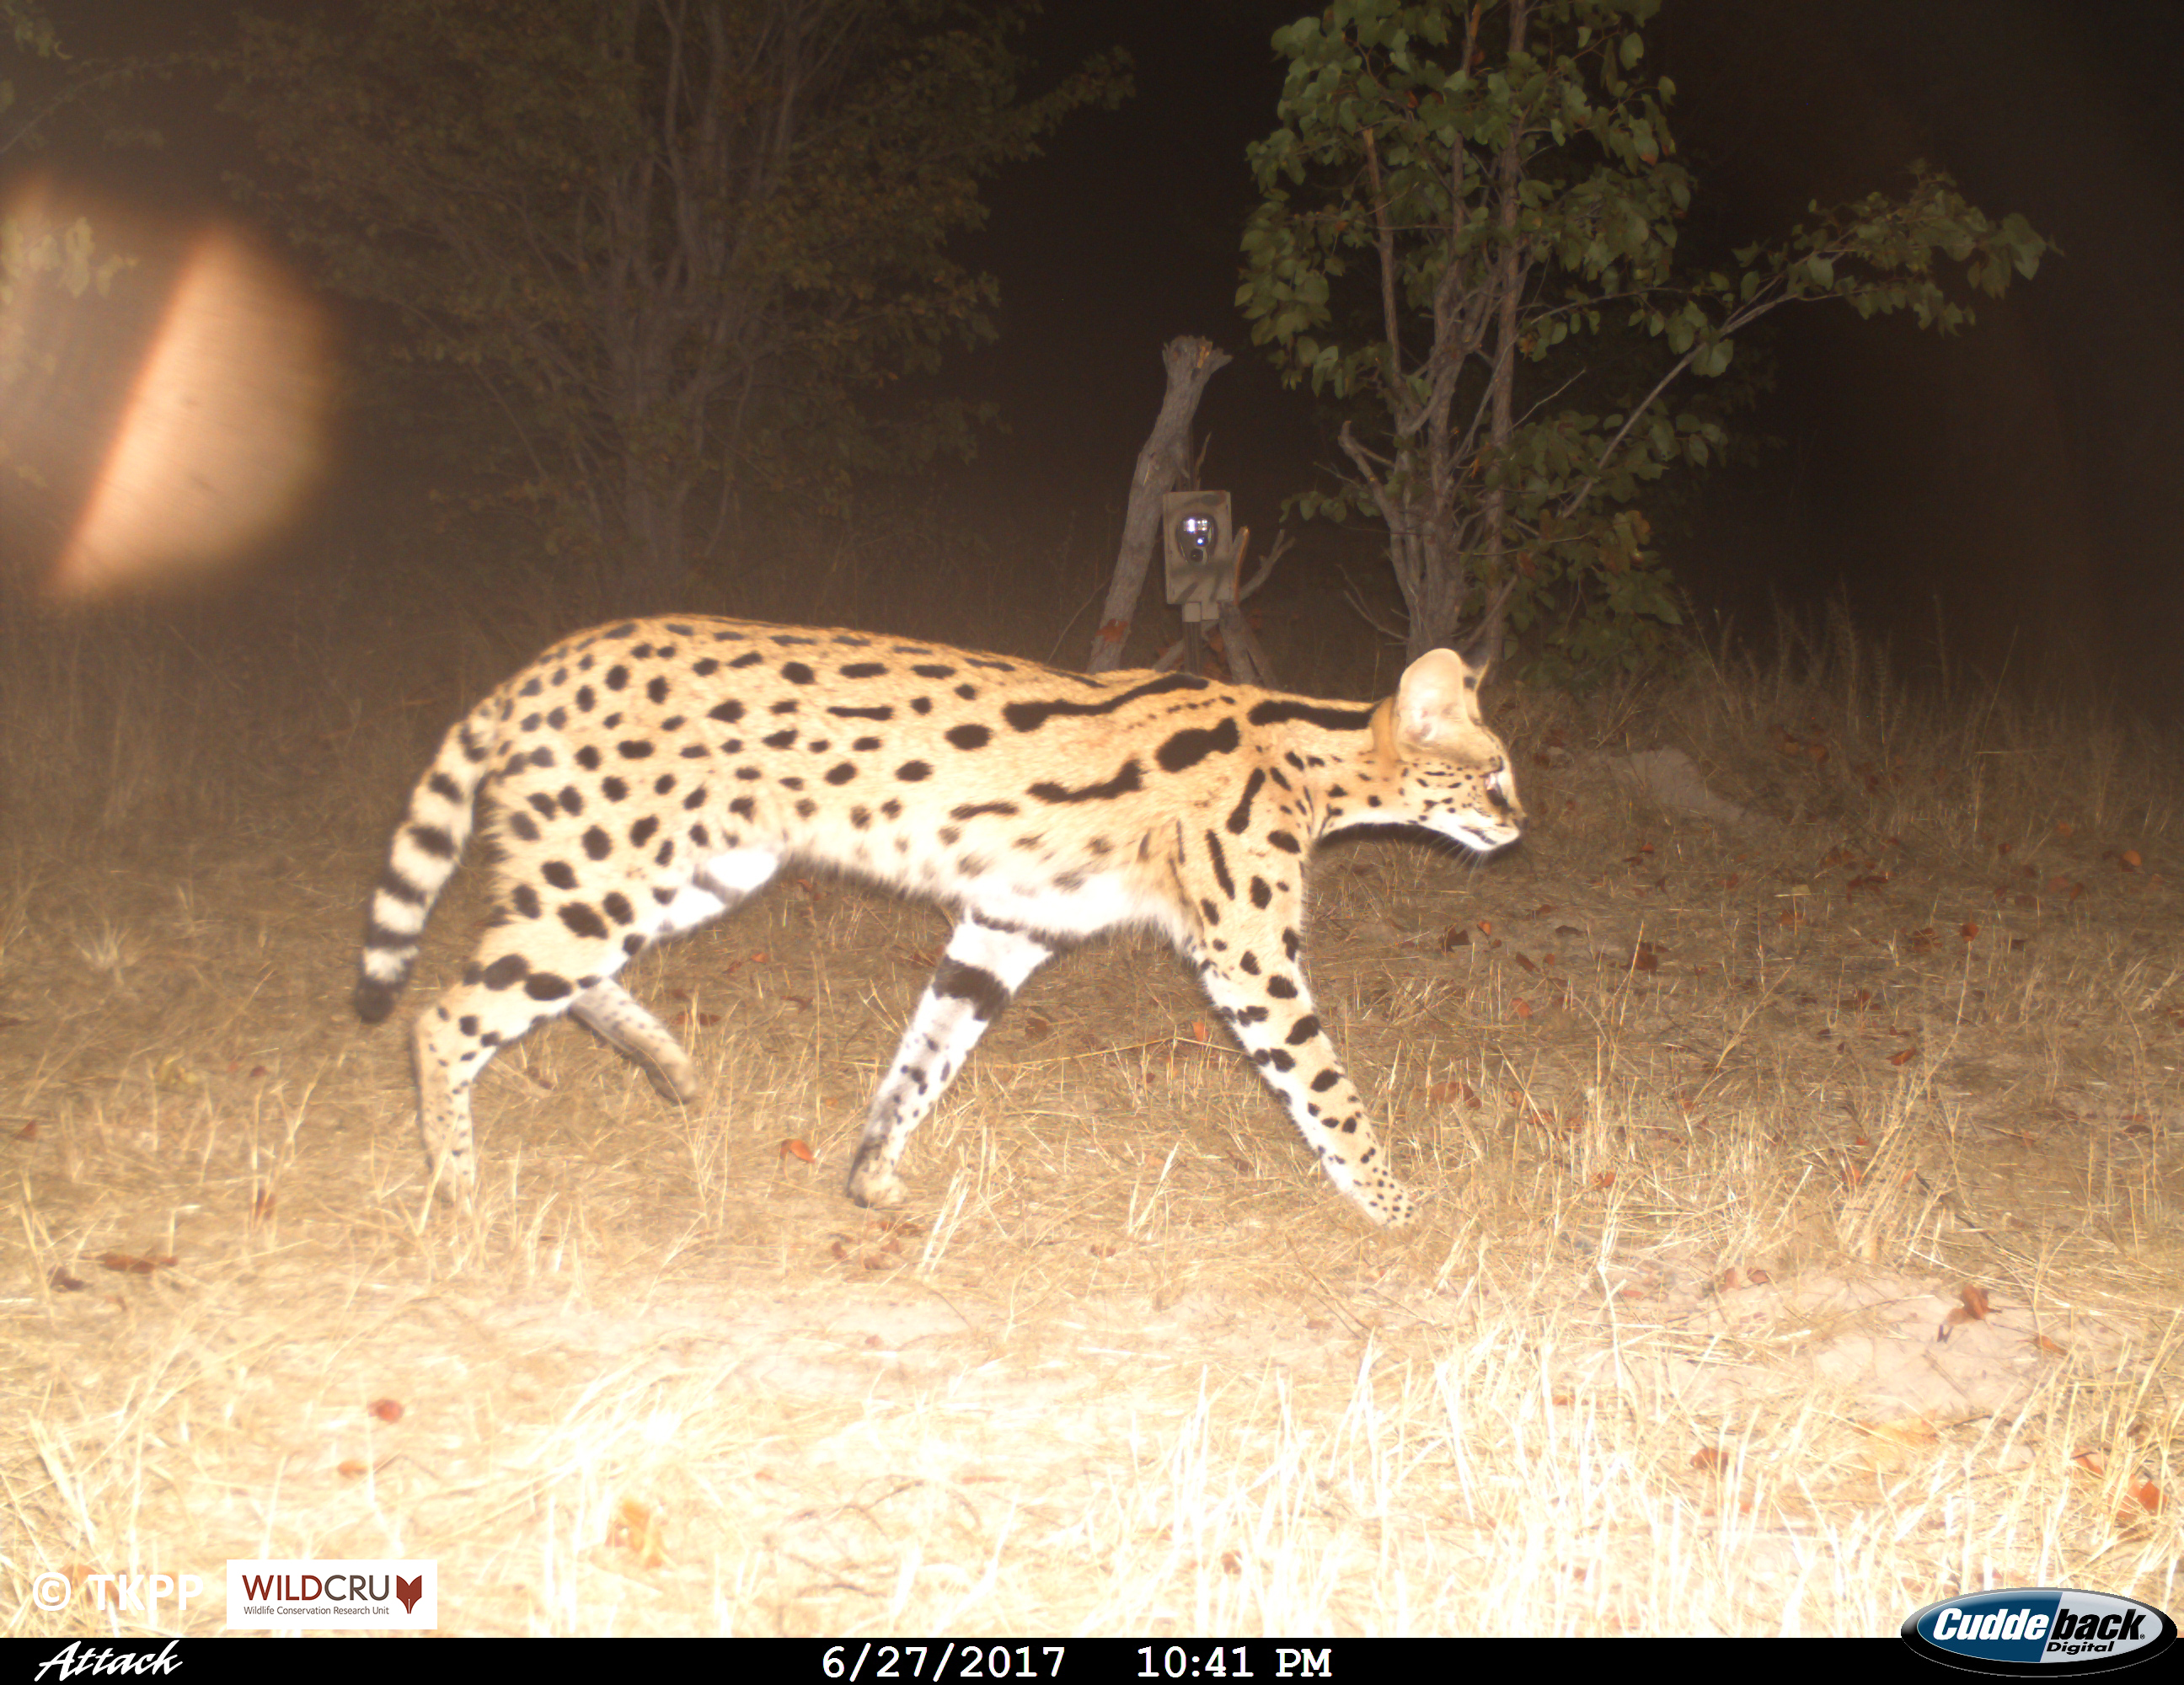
2042	1630
327	1596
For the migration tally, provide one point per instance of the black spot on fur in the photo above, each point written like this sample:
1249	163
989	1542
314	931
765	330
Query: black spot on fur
1187	748
969	737
1213	852
973	983
1281	711
1130	778
433	841
582	921
1239	817
1029	716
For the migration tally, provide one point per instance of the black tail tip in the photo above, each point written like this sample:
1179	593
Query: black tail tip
373	1000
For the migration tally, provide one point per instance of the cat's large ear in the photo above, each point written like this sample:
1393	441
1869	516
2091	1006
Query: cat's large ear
1438	699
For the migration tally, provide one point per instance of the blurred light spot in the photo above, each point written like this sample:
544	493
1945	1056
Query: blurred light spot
221	435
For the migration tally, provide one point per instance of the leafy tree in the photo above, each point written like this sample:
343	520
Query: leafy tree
1459	198
679	237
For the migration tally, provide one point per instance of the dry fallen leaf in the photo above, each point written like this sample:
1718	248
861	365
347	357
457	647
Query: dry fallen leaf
386	1410
794	1147
636	1528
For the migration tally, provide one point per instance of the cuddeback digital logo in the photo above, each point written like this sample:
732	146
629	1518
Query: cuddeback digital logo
2042	1630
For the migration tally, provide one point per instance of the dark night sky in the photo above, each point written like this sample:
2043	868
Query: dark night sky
2021	484
2025	480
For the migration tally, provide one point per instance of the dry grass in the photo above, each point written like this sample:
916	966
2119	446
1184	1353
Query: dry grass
1716	1122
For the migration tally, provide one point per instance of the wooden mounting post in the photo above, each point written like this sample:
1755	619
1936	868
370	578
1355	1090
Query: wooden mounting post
1191	363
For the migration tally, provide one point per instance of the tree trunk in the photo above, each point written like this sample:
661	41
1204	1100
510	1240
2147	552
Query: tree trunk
1191	363
653	575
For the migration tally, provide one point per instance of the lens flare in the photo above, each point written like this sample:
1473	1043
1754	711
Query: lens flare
220	437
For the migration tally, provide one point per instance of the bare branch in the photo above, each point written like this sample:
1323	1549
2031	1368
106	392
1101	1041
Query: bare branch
1283	544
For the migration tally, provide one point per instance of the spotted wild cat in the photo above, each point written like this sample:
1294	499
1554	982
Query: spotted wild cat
644	777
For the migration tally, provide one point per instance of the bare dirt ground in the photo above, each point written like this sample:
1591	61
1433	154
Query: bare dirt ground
1802	1246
